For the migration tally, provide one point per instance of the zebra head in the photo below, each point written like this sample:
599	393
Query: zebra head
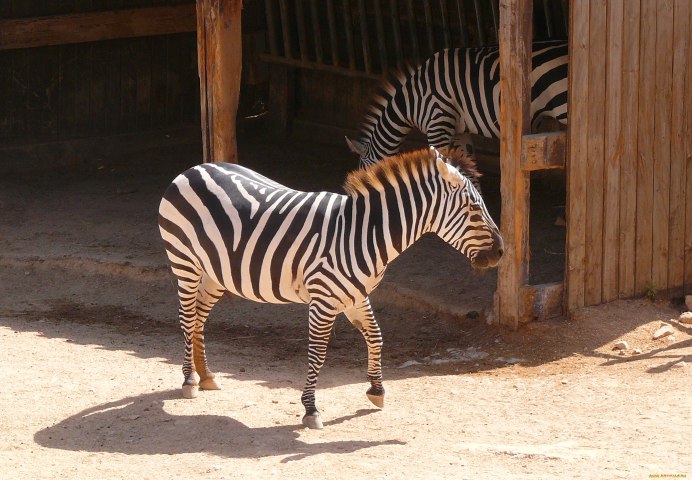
464	221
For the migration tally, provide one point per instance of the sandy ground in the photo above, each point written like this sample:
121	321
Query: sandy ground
92	353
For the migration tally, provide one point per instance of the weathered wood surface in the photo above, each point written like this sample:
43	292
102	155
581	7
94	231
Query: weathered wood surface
687	156
515	66
678	170
541	151
628	159
77	90
542	302
595	149
662	139
577	157
95	26
219	47
629	188
613	146
645	147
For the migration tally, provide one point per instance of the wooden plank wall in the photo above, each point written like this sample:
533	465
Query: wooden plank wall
629	161
97	88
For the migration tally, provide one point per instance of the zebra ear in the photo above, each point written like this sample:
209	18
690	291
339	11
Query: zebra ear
356	147
444	170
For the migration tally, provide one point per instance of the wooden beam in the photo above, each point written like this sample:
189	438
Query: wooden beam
541	151
515	90
577	162
614	147
595	154
95	26
541	302
628	159
219	47
645	146
682	51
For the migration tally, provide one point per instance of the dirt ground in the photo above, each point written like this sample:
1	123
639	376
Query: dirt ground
92	351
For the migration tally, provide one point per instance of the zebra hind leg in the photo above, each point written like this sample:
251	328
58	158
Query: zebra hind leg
363	318
208	293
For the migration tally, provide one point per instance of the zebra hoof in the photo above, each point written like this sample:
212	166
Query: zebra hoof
313	421
190	391
209	384
377	400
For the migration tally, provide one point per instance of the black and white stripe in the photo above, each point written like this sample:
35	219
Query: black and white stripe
457	91
229	229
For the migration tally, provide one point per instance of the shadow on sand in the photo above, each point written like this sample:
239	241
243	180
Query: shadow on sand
108	428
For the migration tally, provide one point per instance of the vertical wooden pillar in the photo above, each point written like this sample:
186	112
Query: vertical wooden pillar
515	90
219	49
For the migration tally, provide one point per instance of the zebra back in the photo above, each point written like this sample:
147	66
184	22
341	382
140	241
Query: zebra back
456	91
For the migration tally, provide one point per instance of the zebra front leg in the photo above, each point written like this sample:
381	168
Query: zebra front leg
320	324
363	318
208	294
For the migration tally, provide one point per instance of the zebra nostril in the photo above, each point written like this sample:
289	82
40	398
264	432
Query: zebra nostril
500	251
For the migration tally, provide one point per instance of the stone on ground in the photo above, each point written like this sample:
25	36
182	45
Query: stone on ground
663	331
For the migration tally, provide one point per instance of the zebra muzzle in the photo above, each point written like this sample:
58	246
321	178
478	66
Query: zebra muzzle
489	257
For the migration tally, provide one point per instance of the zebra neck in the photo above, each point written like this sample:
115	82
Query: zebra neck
388	123
389	222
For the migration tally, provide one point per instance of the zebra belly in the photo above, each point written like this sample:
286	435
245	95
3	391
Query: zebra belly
281	289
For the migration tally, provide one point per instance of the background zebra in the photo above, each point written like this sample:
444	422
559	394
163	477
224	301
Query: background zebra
227	228
457	91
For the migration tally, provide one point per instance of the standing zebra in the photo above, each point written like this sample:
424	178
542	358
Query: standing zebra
457	91
227	228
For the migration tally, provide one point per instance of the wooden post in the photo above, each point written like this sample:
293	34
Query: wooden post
219	49
515	90
578	155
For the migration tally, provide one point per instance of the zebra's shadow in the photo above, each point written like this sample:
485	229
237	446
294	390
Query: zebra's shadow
141	425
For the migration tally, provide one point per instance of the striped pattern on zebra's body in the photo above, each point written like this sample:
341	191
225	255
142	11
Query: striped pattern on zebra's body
457	91
227	228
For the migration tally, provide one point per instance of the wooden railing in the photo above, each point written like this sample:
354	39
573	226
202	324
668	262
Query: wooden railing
96	26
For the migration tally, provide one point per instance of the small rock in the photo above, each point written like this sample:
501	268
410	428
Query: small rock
686	317
129	417
621	345
250	404
680	364
564	382
688	302
663	331
637	351
241	369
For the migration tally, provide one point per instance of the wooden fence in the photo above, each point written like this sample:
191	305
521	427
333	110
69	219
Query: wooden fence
74	69
630	150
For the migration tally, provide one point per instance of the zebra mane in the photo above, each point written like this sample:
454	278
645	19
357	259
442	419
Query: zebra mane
463	161
380	99
385	171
